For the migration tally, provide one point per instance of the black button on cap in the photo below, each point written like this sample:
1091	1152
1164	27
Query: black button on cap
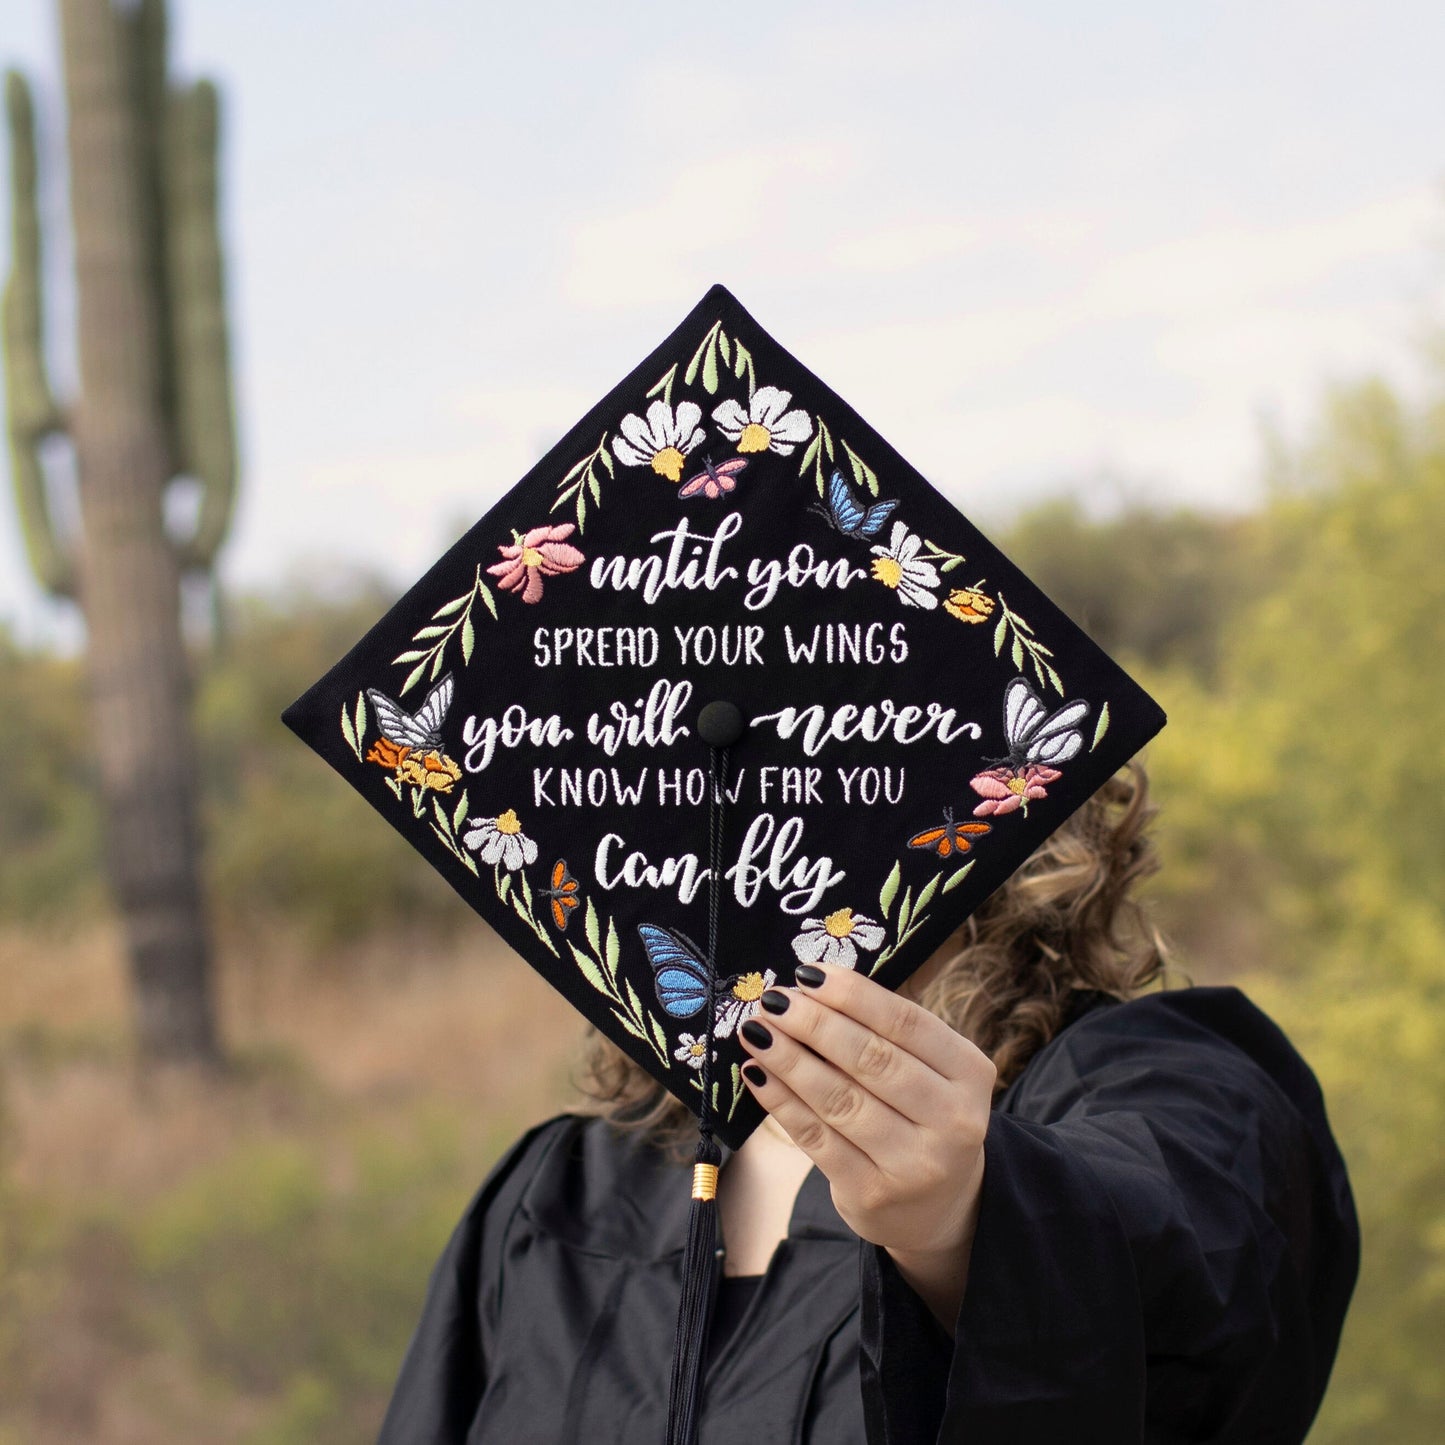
720	724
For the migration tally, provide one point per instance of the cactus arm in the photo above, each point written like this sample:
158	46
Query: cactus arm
205	426
31	414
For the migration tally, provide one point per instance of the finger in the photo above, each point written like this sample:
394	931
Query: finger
841	1103
844	1163
904	1023
890	1073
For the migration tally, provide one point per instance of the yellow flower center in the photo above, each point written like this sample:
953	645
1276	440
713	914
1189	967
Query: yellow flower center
697	1048
531	557
508	822
888	570
668	463
1016	785
755	438
839	924
749	987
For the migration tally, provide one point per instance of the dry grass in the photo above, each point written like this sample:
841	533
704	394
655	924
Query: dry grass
137	1214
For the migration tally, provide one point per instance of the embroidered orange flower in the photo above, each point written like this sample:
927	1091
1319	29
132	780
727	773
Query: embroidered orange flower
429	770
388	754
968	604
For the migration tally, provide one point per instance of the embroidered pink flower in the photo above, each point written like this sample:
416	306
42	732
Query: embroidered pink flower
543	552
1004	790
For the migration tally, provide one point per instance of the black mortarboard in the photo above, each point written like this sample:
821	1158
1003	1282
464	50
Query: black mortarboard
898	716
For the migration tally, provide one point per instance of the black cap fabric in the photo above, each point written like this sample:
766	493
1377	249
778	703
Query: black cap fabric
722	548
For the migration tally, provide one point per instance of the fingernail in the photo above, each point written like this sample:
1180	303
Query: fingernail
754	1075
775	1001
809	976
756	1035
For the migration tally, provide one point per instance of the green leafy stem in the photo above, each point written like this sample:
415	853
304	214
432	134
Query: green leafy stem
716	345
735	1080
822	446
353	727
521	901
1024	646
911	911
599	966
946	560
582	481
449	620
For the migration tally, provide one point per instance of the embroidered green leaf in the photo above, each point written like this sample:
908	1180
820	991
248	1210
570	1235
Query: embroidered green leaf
890	889
437	661
863	474
595	490
459	816
607	456
470	862
809	456
1100	727
504	887
418	802
999	633
951	564
827	438
360	717
925	896
663	385
468	638
1017	653
629	1025
485	593
413	676
522	912
426	632
455	605
614	948
690	375
709	369
905	913
589	970
1058	686
395	787
526	889
658	1034
592	928
1023	626
633	999
725	346
410	656
349	732
743	357
737	1080
956	878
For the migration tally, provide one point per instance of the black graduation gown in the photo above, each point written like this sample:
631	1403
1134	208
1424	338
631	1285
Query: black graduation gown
1165	1250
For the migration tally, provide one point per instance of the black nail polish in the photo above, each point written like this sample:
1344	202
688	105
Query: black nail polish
775	1001
756	1035
754	1075
809	976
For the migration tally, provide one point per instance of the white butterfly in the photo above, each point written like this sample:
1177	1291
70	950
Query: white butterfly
421	730
1035	735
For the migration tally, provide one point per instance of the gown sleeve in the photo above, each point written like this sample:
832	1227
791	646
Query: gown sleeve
1165	1250
444	1372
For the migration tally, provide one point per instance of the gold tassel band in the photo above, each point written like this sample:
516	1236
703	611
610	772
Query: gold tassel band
704	1181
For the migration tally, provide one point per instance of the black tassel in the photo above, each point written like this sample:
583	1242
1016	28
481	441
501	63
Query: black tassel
700	1254
694	1311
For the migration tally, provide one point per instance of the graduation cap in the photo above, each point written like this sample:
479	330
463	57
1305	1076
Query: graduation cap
720	687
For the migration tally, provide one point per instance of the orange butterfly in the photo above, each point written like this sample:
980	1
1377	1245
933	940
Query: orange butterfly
950	837
563	894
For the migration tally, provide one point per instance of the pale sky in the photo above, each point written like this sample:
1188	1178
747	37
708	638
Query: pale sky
1041	246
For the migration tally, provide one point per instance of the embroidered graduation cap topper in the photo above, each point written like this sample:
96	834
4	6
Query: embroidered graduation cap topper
899	715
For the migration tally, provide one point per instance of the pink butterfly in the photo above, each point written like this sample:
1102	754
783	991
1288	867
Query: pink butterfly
713	481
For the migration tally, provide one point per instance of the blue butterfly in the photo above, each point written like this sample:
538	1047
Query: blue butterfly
680	974
846	512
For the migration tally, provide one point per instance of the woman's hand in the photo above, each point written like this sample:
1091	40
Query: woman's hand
892	1105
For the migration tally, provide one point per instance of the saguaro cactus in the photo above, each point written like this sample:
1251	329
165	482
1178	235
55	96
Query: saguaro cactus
154	405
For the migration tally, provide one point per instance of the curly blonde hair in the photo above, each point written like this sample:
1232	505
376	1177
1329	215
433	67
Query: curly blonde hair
1066	920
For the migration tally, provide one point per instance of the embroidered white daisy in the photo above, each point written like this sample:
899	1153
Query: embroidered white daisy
898	566
740	1002
690	1050
500	840
838	937
662	440
767	425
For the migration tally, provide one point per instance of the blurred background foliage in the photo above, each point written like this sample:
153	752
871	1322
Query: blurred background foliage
259	1268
